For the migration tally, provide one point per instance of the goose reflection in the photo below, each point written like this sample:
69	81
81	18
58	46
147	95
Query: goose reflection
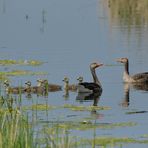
134	86
126	99
85	97
94	97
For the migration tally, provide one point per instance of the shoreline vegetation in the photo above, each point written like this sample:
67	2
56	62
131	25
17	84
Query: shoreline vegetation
17	131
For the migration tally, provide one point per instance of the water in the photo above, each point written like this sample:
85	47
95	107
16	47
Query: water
68	35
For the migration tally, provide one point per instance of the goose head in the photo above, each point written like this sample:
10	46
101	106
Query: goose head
28	84
66	80
122	60
80	79
95	65
40	82
6	83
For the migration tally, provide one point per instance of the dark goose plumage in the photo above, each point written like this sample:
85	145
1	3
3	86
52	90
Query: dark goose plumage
91	86
137	78
94	86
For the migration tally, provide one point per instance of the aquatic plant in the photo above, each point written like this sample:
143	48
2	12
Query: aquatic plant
85	108
87	125
57	137
21	62
112	141
15	130
39	107
20	73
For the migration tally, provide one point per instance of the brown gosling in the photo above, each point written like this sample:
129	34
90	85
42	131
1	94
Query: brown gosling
51	87
34	89
13	90
67	86
80	79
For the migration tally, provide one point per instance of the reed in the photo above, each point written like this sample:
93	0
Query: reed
15	130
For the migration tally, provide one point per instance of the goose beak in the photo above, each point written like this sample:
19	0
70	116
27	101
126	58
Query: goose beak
100	64
118	60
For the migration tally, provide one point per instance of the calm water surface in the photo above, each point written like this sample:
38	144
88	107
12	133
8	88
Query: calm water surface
68	35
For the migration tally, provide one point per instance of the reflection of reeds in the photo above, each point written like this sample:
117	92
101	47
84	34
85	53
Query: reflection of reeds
129	12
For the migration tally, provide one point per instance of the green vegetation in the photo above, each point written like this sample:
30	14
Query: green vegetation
20	73
57	137
39	107
112	141
15	131
85	108
87	125
4	75
21	62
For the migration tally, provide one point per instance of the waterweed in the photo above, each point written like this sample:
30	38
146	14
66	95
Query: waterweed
21	62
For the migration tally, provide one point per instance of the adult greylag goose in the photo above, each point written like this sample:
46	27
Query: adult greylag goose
91	87
137	78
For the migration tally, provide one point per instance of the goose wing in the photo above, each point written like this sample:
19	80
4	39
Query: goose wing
91	86
141	77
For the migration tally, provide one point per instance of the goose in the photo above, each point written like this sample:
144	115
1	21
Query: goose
67	86
13	90
137	78
34	89
80	79
51	87
91	87
72	87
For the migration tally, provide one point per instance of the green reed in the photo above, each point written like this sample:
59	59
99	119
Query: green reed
15	130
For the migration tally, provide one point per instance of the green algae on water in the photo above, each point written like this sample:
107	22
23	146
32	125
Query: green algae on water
39	107
21	62
88	125
20	73
86	108
108	141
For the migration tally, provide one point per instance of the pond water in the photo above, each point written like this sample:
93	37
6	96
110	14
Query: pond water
68	35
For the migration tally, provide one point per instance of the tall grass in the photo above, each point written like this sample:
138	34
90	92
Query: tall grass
15	131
